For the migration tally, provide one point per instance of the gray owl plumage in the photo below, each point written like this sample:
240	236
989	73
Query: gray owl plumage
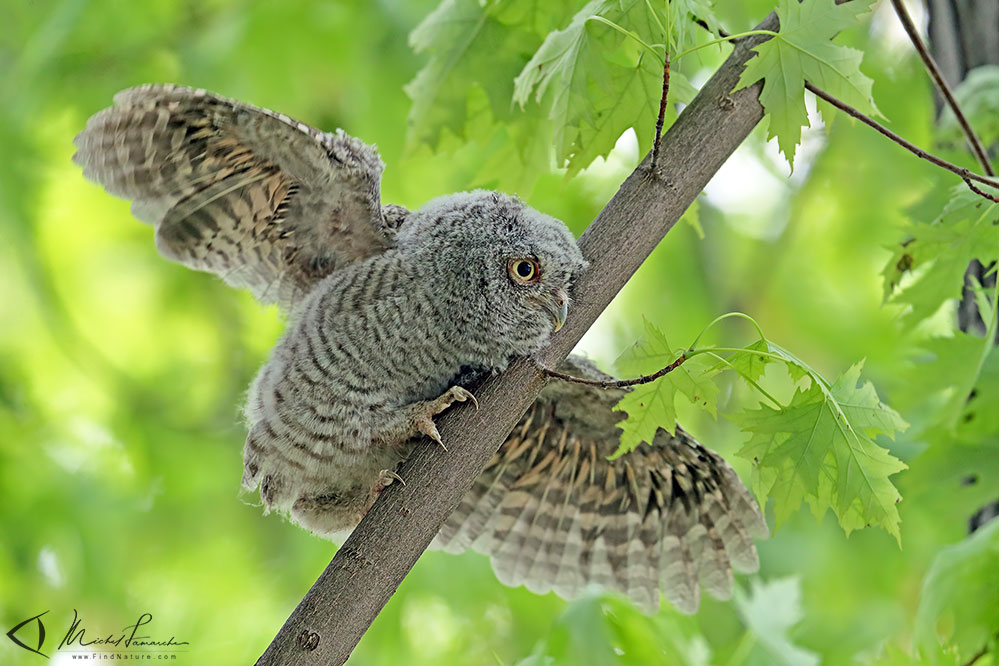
390	311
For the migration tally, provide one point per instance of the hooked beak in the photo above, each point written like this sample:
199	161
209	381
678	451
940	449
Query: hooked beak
558	307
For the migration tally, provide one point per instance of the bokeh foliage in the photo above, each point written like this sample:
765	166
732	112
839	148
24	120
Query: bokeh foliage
121	374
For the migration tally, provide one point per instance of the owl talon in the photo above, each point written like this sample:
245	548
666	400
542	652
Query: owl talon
451	396
385	479
387	476
424	422
427	426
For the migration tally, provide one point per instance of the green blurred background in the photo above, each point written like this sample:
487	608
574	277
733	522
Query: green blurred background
121	375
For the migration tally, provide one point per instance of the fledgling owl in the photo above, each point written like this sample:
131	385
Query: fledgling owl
389	312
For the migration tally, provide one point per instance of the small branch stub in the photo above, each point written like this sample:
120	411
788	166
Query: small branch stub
308	640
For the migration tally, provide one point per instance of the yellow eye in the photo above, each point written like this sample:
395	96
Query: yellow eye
525	270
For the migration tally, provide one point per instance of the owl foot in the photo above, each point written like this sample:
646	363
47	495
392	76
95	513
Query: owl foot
385	479
424	422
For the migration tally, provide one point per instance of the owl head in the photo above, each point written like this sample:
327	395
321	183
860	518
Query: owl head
503	269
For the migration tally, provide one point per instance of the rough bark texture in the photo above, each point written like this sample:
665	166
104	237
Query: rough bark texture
964	34
368	568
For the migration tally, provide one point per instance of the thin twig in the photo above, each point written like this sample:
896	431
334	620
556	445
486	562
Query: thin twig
613	383
964	173
931	66
991	197
662	112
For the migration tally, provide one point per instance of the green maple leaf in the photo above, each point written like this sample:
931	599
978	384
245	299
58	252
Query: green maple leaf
631	99
512	154
471	46
819	449
684	30
751	365
928	270
652	406
769	613
978	96
954	364
595	82
979	419
583	85
957	586
802	52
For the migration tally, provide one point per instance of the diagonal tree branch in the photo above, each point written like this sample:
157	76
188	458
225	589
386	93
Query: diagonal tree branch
368	568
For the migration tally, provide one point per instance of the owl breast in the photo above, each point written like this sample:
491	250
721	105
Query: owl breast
368	341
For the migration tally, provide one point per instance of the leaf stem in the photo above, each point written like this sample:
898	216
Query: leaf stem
728	315
749	379
931	66
982	193
655	17
726	38
690	353
625	32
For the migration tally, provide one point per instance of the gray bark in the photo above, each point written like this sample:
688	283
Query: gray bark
964	34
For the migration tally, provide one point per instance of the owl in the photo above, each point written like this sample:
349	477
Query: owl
391	314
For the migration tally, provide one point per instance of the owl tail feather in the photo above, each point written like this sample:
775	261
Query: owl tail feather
554	514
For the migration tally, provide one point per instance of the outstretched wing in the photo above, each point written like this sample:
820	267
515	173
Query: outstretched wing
554	514
260	199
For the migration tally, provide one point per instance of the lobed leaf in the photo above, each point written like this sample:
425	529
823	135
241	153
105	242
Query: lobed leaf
928	270
769	613
978	96
471	45
802	52
820	449
652	406
960	589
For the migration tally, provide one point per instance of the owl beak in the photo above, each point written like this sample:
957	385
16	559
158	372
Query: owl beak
558	307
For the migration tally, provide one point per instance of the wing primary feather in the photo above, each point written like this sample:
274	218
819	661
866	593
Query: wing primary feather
177	151
560	515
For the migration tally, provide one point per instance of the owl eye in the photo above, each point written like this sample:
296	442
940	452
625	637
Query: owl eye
525	270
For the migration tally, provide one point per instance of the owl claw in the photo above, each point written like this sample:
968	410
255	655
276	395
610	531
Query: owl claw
385	479
427	427
451	396
425	423
387	476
